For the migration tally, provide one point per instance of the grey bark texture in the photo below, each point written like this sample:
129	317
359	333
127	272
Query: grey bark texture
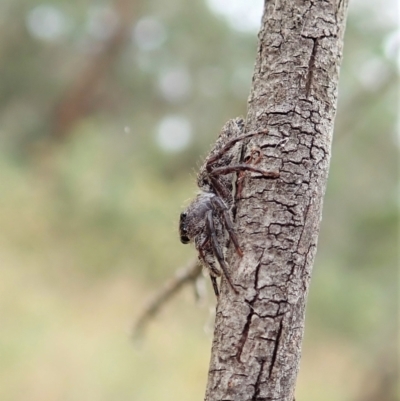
258	332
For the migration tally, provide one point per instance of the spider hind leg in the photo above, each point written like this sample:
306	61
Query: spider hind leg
217	249
214	273
219	205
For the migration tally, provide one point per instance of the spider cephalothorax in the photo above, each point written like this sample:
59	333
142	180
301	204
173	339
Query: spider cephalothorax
207	221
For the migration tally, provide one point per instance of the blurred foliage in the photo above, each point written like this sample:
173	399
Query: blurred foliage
89	201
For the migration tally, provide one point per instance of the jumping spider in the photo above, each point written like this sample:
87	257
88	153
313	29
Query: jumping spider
207	220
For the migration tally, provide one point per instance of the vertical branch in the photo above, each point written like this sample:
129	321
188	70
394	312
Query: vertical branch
258	333
77	100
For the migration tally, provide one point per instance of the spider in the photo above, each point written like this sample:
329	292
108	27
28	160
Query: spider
207	221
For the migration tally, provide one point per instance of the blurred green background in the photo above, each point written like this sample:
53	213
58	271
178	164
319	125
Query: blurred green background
106	109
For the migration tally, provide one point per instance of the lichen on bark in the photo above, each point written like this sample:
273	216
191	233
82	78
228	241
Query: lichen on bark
258	332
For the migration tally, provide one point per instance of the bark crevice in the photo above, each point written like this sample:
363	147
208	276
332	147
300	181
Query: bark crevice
311	66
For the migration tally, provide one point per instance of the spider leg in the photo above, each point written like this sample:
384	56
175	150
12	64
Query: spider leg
241	175
220	189
217	249
243	167
228	223
214	273
229	145
215	285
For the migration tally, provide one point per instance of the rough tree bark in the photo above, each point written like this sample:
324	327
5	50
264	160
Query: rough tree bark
258	332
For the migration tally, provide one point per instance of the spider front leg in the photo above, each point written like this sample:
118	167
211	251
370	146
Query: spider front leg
219	204
240	178
213	271
242	167
217	249
229	145
236	167
214	284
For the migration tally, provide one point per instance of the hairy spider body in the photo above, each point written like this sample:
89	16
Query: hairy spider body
207	221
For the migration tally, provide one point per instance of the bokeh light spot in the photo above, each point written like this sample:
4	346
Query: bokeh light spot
242	15
373	73
391	47
46	22
149	33
174	133
175	84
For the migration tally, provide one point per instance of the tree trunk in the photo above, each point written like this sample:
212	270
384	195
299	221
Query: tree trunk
258	332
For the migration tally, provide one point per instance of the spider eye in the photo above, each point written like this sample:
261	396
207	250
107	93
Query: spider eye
182	229
182	220
185	239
